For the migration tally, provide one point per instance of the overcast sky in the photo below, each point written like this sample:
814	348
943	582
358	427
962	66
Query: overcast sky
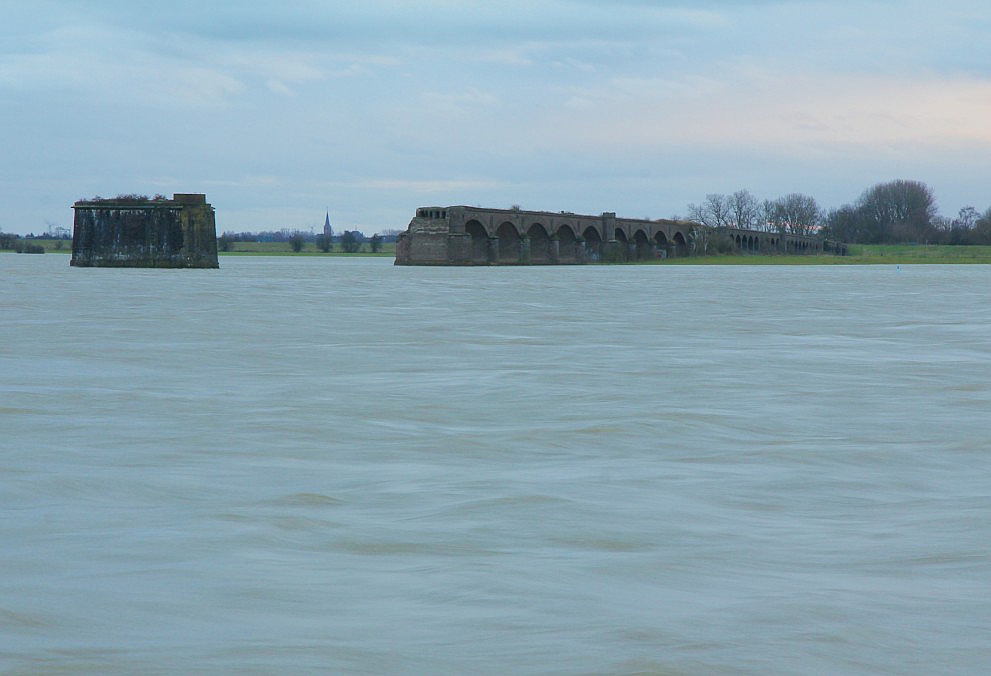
371	108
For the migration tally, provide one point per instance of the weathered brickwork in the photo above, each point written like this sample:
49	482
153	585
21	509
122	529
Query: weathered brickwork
145	233
460	235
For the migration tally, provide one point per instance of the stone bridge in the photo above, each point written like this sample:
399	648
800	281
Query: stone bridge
461	235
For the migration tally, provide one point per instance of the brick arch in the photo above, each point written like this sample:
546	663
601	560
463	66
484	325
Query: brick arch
593	243
479	241
643	249
661	240
624	244
567	244
595	227
509	243
540	243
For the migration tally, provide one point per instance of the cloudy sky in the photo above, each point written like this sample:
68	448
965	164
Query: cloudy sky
371	108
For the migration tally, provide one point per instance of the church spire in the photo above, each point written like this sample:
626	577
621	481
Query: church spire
327	231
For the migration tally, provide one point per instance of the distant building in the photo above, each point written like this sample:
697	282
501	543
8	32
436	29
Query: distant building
138	232
328	232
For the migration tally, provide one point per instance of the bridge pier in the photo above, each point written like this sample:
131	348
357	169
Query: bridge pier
524	250
555	252
493	251
609	226
613	252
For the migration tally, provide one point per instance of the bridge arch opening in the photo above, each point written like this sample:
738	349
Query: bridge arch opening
624	245
540	244
479	241
680	244
643	250
509	243
593	243
567	251
661	243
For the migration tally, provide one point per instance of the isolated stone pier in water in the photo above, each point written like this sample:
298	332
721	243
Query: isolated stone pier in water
138	232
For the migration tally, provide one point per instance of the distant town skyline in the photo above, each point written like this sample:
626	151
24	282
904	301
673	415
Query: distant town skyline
377	108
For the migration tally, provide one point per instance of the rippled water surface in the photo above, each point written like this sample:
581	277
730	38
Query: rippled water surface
323	464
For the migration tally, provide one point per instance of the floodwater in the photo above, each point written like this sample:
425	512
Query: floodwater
328	464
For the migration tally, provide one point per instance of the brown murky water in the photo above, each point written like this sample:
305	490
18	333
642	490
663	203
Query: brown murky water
324	464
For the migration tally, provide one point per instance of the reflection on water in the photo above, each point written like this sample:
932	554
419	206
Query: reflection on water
322	463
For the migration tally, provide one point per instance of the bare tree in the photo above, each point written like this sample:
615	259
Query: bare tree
296	241
745	210
981	233
699	239
798	214
715	212
349	242
772	217
966	219
899	211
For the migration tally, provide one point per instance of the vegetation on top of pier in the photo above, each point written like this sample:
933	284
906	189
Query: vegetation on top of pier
129	198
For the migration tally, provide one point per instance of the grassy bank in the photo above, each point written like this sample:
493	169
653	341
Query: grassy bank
309	249
921	253
859	254
862	254
50	245
239	248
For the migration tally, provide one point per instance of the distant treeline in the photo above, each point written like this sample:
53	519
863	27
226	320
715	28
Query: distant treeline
349	241
901	212
13	242
26	244
287	235
896	212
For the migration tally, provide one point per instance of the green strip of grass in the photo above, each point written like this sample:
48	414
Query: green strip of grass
364	254
858	254
285	249
923	253
51	245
